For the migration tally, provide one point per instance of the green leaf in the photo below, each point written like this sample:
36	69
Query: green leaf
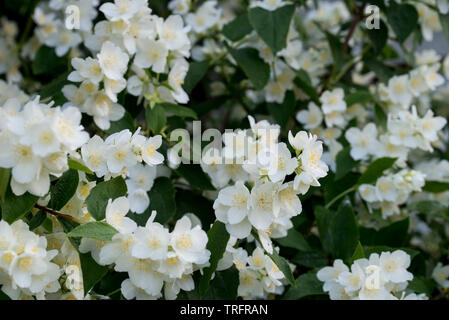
310	259
403	19
53	90
156	118
67	226
191	202
195	176
76	165
375	170
257	71
197	70
272	26
430	207
92	271
358	253
444	21
179	111
381	116
47	62
343	231
282	112
422	285
360	96
382	71
5	174
97	200
15	207
304	83
336	50
237	28
224	286
95	230
393	235
217	240
306	285
378	37
283	265
64	189
294	240
436	186
37	220
162	199
344	163
127	122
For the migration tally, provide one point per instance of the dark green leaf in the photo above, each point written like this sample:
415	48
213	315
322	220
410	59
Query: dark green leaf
5	174
37	220
197	70
436	186
375	170
311	259
92	272
127	122
336	50
378	37
307	285
444	21
422	285
282	112
179	111
294	240
15	207
95	230
47	62
74	164
344	163
195	176
403	19
224	285
393	235
343	231
237	28
283	265
156	118
64	189
304	83
217	240
257	71
272	26
97	200
358	253
360	96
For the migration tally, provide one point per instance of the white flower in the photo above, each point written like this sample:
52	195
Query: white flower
113	61
152	54
264	205
120	155
333	101
189	243
176	79
429	126
103	109
139	200
206	16
149	154
88	69
310	118
368	193
172	33
94	155
122	9
363	142
151	241
441	275
394	266
398	89
116	215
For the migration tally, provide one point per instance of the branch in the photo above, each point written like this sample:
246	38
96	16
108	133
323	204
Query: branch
55	213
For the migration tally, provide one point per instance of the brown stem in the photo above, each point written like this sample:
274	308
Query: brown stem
55	213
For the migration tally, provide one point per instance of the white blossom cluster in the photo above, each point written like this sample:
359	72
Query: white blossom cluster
380	277
9	58
35	141
132	49
52	29
25	263
154	258
391	191
260	198
122	153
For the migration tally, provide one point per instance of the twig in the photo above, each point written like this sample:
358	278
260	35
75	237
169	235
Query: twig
55	213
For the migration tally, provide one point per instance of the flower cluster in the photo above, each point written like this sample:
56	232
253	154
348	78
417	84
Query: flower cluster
390	191
35	141
25	264
133	48
257	158
9	58
122	153
153	257
381	277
